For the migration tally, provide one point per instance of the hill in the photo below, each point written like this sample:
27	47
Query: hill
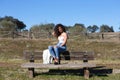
106	50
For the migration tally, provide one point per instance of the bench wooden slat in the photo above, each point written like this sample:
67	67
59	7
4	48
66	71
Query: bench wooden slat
36	54
71	56
39	57
52	66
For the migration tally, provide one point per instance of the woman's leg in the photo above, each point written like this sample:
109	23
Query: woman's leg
58	50
51	49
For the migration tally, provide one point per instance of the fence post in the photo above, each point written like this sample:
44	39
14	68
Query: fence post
12	34
119	36
29	33
102	36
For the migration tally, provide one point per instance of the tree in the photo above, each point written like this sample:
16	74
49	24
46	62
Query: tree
106	28
9	23
19	24
119	28
93	28
111	28
43	27
78	28
6	25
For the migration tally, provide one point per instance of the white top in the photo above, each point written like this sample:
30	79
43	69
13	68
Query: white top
61	39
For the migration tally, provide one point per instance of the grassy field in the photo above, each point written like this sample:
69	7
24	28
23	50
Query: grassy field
104	50
16	73
107	54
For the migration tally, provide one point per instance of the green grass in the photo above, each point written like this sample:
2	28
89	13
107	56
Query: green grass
17	73
11	53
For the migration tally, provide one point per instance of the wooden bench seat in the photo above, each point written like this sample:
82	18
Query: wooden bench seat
37	55
52	66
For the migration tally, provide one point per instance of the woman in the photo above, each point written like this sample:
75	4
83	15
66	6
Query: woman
61	35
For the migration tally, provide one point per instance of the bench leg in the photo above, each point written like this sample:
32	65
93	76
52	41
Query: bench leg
86	73
31	72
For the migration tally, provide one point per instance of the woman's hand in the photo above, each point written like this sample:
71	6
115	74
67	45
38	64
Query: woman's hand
53	33
55	46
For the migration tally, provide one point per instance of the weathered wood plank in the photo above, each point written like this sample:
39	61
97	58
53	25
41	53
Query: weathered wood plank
52	66
64	56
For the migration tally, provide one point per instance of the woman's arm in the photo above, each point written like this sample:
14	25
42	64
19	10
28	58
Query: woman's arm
65	39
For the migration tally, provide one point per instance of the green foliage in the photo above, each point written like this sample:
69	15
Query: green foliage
93	28
43	27
106	28
9	23
78	28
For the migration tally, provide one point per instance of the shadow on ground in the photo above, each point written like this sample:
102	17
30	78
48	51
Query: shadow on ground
96	71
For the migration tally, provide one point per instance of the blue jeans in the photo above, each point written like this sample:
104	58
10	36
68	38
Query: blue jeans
55	51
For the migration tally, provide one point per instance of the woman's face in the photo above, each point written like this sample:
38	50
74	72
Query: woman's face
60	29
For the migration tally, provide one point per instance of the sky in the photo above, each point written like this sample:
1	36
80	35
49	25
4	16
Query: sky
66	12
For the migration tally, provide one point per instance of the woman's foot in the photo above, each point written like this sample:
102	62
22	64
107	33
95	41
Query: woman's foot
56	61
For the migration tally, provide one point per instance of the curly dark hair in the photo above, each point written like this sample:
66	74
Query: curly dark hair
56	30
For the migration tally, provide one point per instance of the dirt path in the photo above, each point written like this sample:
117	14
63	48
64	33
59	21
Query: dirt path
6	64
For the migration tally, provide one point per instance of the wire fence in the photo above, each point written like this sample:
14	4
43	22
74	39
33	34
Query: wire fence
45	35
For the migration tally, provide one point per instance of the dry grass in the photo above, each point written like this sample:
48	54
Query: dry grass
105	50
11	56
